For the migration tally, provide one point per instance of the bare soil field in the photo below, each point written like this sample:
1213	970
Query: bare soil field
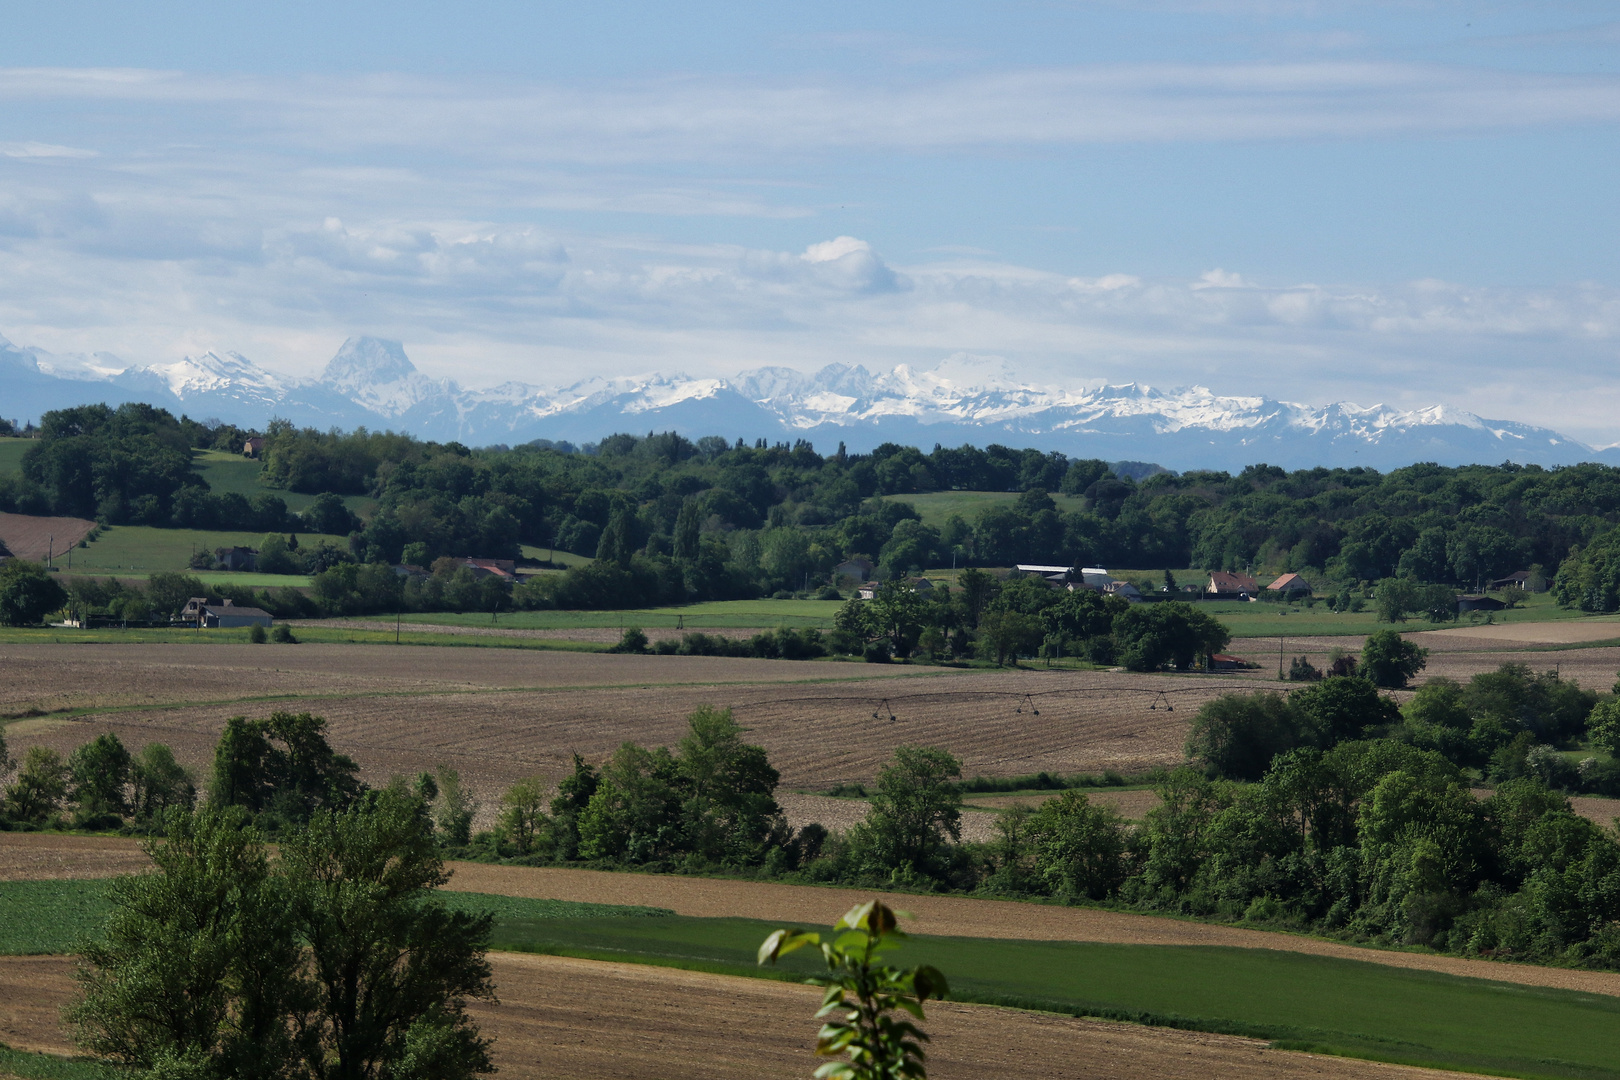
603	635
35	538
51	677
1458	657
585	1020
500	715
51	856
1132	805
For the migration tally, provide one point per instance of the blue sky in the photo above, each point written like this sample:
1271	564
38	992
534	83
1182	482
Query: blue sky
1400	202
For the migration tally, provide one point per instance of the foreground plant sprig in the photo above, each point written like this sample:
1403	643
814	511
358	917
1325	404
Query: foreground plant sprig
864	994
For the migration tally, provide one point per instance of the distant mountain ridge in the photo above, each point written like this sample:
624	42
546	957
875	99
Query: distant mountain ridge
372	382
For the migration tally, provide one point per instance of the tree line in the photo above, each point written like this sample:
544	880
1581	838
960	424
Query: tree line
669	519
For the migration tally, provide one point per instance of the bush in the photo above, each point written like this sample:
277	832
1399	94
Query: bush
282	634
631	641
257	635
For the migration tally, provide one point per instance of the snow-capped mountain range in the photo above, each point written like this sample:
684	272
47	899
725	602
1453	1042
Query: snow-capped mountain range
962	400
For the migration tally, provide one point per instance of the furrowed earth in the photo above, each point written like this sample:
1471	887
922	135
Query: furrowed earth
499	715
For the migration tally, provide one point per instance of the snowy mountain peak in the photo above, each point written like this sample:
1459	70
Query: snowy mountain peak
965	398
367	361
210	372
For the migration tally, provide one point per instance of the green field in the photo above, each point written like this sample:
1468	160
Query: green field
232	472
716	615
1347	1007
130	550
43	917
936	507
11	454
1337	1006
1296	620
556	555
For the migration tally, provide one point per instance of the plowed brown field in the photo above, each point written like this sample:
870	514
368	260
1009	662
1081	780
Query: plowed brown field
559	1017
501	715
29	537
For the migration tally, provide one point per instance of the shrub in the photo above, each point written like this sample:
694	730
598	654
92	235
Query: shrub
282	634
257	635
631	641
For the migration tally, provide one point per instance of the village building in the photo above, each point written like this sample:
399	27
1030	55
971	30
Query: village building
206	614
1227	585
856	570
1520	579
1291	585
505	569
253	447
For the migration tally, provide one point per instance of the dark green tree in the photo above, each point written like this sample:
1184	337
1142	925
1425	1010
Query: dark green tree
390	968
27	593
195	973
1390	661
916	813
100	771
1237	735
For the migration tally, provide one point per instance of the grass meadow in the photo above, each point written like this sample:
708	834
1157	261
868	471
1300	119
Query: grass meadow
11	454
937	507
140	550
233	472
715	615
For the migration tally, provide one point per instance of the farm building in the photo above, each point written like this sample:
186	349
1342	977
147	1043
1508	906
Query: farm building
506	569
1520	579
857	570
1226	585
1474	602
252	447
1291	585
204	613
236	558
1124	590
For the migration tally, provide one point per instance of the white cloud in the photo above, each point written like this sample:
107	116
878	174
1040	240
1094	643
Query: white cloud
42	150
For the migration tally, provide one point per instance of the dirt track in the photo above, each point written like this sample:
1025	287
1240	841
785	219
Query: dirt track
559	1017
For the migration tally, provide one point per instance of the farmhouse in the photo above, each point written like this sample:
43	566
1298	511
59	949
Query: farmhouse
204	613
1124	590
1225	585
856	569
1291	585
505	569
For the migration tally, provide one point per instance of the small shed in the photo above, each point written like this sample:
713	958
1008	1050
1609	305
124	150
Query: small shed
1479	602
252	447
